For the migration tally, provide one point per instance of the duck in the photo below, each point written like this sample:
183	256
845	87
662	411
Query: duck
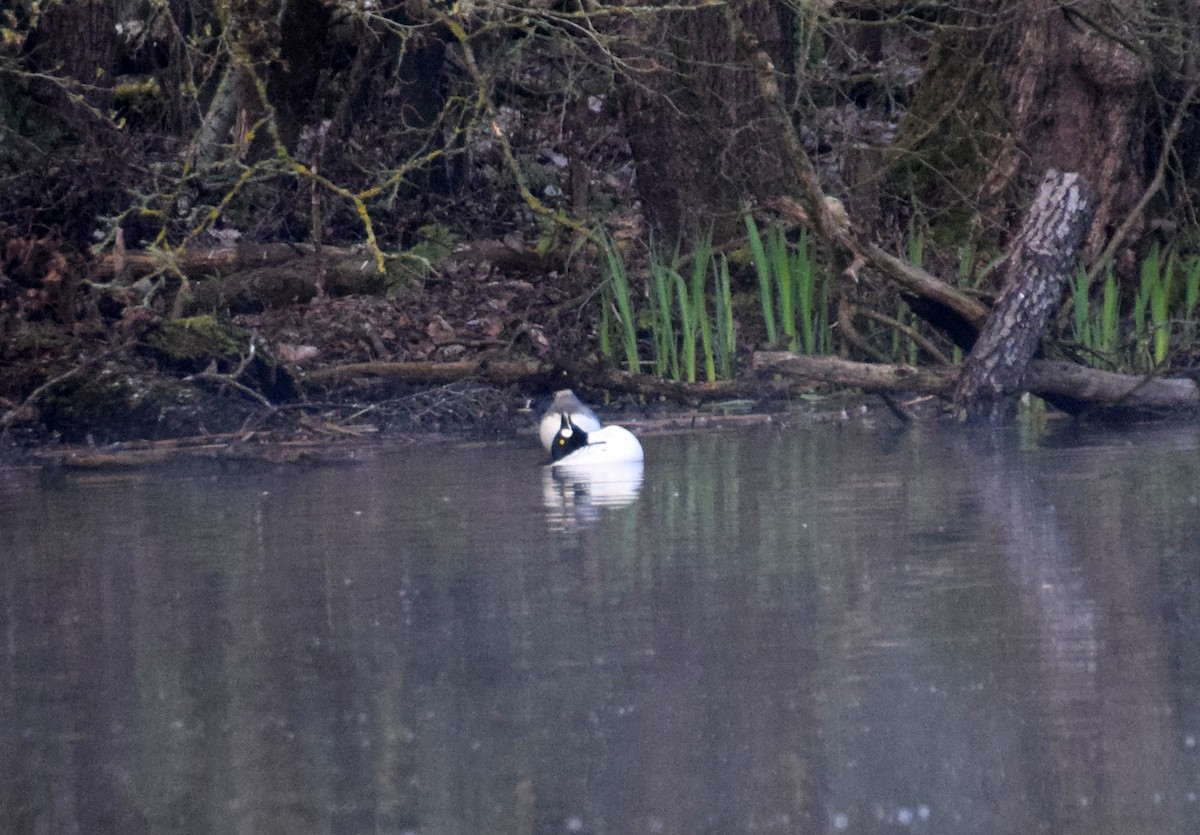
575	446
565	403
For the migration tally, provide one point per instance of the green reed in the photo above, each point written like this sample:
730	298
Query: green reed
725	336
781	267
615	293
1160	316
813	305
765	273
792	296
681	331
701	257
1153	332
662	317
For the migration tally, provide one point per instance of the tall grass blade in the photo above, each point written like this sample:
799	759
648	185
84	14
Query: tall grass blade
662	328
726	338
1081	315
966	264
1141	302
763	268
824	333
618	280
781	267
916	245
804	272
686	361
701	255
1110	318
1191	291
1160	317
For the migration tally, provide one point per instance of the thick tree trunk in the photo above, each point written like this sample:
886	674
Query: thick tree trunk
1036	268
1015	89
696	126
1077	94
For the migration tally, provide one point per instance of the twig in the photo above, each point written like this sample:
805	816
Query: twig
228	380
232	381
911	332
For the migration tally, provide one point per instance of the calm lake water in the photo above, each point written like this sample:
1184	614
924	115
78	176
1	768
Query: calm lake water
774	630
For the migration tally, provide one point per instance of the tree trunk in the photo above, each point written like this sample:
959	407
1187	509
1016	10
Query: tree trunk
1036	268
1014	90
695	122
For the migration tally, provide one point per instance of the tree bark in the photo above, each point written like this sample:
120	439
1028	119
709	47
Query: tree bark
1036	268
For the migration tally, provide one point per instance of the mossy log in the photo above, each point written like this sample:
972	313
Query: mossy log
256	276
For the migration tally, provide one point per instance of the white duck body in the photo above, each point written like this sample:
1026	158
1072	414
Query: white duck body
565	403
573	446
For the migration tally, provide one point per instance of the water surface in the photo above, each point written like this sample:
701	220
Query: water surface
773	630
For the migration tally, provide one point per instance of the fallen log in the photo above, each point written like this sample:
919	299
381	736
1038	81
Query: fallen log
131	265
1075	389
134	264
1079	390
868	376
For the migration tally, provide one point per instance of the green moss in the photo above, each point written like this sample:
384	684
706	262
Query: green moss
436	244
196	341
136	90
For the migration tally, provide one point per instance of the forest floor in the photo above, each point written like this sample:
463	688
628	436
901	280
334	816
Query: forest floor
117	386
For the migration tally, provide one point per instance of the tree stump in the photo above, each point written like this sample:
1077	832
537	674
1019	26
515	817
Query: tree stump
1036	267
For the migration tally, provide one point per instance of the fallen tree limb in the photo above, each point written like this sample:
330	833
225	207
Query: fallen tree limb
1088	391
1075	389
137	263
868	376
917	281
130	265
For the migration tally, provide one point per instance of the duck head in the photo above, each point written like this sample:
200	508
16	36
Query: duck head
565	403
568	439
